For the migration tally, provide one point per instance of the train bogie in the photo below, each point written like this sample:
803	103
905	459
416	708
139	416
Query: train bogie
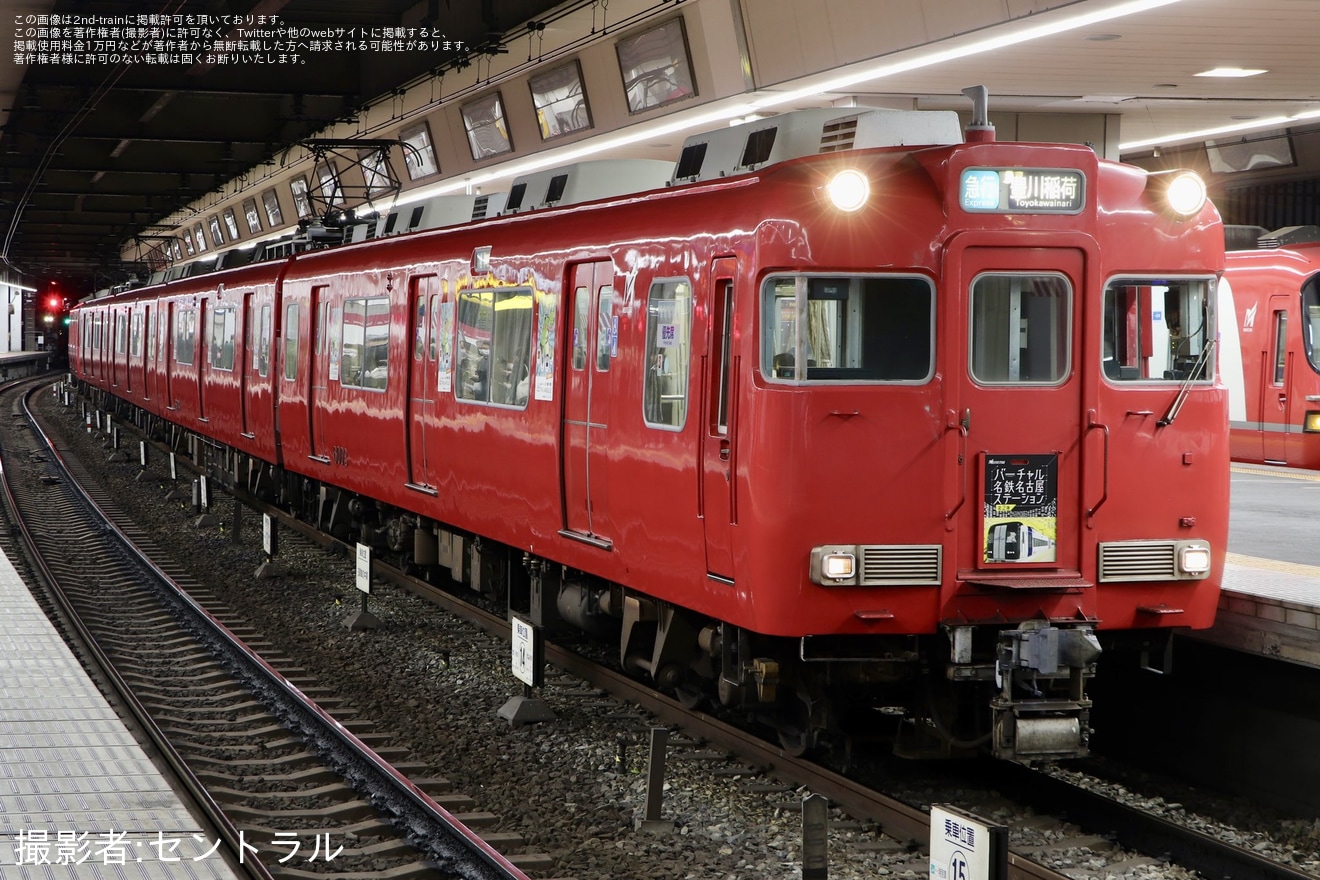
808	450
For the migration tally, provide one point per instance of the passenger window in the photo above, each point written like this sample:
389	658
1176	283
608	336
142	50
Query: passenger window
495	346
291	341
365	359
185	335
582	305
605	334
848	328
1280	346
262	353
135	336
668	341
223	326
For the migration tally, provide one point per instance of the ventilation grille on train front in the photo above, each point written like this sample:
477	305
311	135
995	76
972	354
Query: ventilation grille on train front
900	564
838	135
1138	561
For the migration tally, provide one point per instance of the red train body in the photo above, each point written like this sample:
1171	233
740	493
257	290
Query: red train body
1274	388
811	462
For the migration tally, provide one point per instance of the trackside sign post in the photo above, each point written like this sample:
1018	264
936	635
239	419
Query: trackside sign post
966	847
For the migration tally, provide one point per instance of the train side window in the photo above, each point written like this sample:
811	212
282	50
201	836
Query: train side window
581	312
1311	321
495	346
1280	346
605	329
668	348
135	335
262	353
848	328
1020	329
121	333
185	335
1158	330
291	341
365	357
224	323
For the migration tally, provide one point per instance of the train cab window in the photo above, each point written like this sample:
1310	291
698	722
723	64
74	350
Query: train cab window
1311	321
1020	329
224	324
1159	330
185	335
495	346
365	357
668	341
848	328
291	341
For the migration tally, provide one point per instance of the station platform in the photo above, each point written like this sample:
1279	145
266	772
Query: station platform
79	798
1270	604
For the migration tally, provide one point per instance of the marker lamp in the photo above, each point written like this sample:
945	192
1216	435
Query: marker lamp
1186	194
848	190
1194	560
834	565
1311	424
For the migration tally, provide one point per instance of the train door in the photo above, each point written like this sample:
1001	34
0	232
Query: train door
1275	376
1020	404
319	373
590	339
422	379
717	483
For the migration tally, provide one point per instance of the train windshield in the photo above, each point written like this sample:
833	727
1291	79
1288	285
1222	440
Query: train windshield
1311	320
848	328
1159	330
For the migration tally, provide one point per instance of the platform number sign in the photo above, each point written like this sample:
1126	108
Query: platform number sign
965	847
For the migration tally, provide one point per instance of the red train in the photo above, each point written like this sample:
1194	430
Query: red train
1274	386
836	431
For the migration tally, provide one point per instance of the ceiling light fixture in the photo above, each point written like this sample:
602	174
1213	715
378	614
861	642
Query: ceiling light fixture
1232	72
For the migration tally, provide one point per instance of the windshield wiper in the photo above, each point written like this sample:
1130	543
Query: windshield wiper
1177	405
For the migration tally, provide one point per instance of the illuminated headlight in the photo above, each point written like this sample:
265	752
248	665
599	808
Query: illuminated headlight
1311	424
833	565
1194	559
848	190
1186	194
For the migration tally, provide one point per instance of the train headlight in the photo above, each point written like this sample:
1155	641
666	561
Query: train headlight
848	190
1186	193
1311	424
833	565
1194	559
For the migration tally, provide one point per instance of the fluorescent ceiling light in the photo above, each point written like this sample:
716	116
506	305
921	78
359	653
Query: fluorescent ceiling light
1231	72
1182	137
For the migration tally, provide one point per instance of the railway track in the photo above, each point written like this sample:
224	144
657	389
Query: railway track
900	820
277	766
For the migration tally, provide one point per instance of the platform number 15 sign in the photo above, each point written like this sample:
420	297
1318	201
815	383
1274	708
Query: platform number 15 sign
965	847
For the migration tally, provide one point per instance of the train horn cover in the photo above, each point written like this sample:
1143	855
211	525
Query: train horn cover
1186	194
848	190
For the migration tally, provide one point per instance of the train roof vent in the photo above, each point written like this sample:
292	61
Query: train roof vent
1290	236
585	182
751	145
439	211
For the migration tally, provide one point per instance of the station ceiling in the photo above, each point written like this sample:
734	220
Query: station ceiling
92	156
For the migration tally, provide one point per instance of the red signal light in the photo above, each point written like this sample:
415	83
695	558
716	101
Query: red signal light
54	303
